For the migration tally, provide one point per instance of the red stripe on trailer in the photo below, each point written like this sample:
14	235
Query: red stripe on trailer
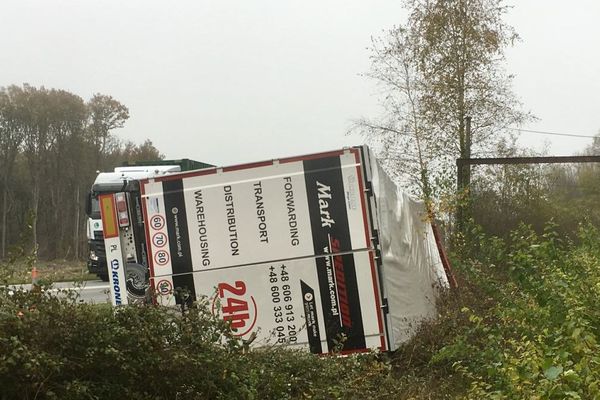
377	301
349	352
149	257
343	352
237	167
368	241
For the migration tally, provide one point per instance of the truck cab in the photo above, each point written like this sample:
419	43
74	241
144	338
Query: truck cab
119	180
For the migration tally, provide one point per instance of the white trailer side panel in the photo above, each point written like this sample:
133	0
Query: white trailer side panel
411	271
226	228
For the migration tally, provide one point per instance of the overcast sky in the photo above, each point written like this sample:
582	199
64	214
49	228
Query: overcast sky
235	81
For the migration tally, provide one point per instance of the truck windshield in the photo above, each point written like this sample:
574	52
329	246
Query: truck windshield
95	209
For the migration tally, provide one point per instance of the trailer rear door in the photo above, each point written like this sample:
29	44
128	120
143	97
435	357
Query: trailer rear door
283	249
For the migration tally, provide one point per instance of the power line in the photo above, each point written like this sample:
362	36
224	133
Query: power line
527	160
553	133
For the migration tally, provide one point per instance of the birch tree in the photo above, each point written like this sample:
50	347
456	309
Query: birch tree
443	65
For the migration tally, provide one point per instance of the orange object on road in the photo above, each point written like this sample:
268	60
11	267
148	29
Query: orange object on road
34	276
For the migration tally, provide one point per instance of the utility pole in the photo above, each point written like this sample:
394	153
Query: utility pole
468	142
463	178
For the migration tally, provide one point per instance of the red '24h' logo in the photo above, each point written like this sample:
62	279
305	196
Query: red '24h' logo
236	307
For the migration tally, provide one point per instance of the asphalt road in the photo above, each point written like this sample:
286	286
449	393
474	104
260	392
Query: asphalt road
89	291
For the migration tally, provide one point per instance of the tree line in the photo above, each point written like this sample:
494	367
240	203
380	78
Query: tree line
506	196
52	142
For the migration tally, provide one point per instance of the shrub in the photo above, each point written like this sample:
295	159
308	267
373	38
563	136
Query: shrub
53	347
528	323
524	323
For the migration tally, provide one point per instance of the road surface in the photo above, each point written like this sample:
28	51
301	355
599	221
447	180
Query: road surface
89	291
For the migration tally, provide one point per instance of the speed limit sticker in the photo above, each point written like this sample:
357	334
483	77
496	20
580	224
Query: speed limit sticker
164	287
159	239
161	257
157	222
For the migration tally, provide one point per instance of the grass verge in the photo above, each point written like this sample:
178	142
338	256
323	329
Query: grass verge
19	272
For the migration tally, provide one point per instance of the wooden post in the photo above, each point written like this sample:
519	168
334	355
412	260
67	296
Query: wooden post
463	179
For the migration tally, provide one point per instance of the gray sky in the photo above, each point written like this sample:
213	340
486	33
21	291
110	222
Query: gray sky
235	81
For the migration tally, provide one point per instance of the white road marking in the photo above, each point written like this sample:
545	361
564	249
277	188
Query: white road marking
55	289
79	288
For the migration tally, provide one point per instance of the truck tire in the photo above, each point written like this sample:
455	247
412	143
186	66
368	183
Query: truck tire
137	283
103	277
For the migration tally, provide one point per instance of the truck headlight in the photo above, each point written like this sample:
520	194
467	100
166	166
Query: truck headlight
93	255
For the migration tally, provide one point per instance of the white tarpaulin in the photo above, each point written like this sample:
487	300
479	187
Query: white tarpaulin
411	270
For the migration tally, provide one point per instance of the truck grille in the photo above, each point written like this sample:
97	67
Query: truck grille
98	244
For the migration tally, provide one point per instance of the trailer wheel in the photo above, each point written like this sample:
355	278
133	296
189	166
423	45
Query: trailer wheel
137	282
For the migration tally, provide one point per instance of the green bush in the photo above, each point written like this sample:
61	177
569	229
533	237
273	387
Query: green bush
524	324
528	321
55	348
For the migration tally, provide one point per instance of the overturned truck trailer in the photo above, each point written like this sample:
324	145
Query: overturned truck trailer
320	251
